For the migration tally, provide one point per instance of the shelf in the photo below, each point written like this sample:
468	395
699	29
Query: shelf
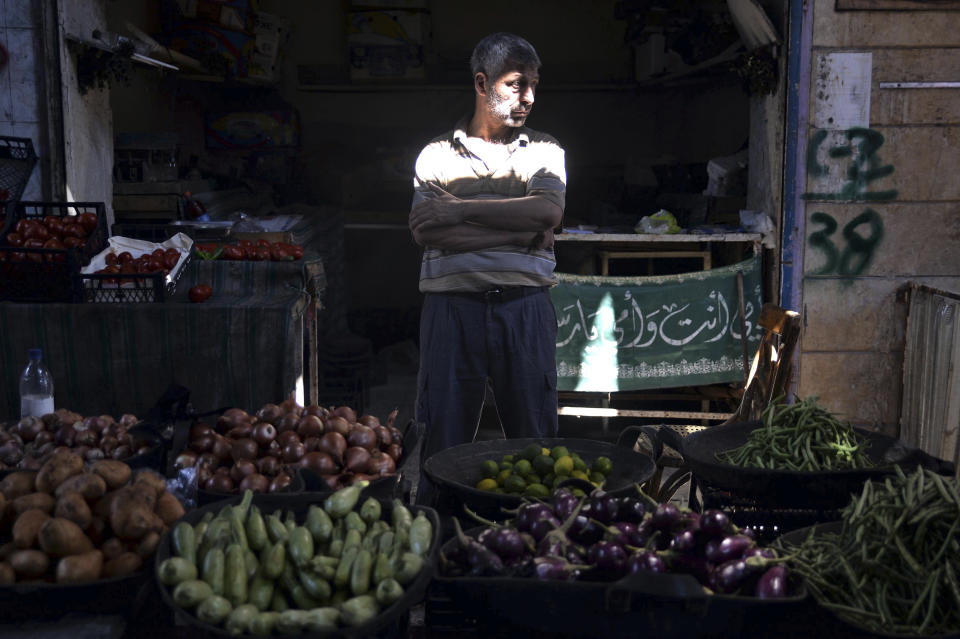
647	238
394	87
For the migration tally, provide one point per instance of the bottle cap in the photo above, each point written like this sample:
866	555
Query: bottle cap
35	353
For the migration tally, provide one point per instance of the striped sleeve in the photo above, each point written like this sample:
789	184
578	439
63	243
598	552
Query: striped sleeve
549	177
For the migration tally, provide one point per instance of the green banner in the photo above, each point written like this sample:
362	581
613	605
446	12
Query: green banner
632	333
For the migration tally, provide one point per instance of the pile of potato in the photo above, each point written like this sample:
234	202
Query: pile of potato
72	523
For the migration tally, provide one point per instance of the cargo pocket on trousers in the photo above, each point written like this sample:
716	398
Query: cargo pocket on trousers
548	410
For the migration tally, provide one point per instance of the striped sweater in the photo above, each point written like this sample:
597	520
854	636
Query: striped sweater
532	164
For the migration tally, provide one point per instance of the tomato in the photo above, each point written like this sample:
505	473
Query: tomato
33	242
14	239
170	260
111	259
74	242
244	244
200	292
38	231
280	254
74	230
52	221
22	225
297	251
125	257
261	253
88	220
232	253
263	242
157	253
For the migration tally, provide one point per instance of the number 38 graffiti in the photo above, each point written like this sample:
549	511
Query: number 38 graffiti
857	251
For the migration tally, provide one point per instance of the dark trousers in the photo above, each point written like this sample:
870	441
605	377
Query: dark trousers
466	339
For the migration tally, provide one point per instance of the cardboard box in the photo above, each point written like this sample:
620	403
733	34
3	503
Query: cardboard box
388	44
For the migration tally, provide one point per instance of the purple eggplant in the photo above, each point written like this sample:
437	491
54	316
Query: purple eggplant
555	569
482	561
631	509
730	575
585	530
608	557
693	564
530	512
646	561
772	583
541	527
757	551
749	532
622	532
715	523
506	542
564	503
690	520
665	516
727	548
485	535
684	541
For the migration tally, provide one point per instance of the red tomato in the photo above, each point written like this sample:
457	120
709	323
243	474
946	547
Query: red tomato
51	221
233	253
38	231
280	254
14	239
200	292
111	259
245	244
74	242
261	253
155	265
33	242
22	225
88	220
54	243
263	242
74	230
170	260
297	251
125	257
158	253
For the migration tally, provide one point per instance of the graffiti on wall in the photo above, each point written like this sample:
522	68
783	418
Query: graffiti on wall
847	169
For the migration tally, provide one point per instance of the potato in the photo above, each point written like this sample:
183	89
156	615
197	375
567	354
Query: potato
27	528
3	505
57	469
7	576
7	549
33	501
89	485
74	507
115	473
80	568
135	523
150	478
169	508
113	548
60	537
29	564
97	530
19	483
145	495
148	545
125	564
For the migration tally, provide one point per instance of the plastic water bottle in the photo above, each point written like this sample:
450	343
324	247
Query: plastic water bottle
36	387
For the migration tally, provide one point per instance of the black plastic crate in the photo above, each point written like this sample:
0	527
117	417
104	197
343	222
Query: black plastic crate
48	275
17	159
110	288
142	231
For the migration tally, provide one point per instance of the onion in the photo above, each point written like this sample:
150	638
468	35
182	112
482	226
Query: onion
311	443
240	431
355	459
11	453
338	424
231	418
293	452
200	429
380	464
362	436
219	483
255	482
128	420
186	459
244	449
290	405
65	435
108	443
394	450
337	481
287	422
43	437
286	437
264	433
395	433
120	452
314	409
346	412
279	483
310	426
369	420
94	423
384	438
222	447
268	465
320	463
29	427
333	444
241	469
96	454
269	413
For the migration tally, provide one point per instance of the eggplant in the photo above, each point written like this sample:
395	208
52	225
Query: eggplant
564	503
715	523
507	543
608	557
631	509
601	507
646	561
585	530
757	551
773	583
556	569
482	561
529	513
731	575
665	516
622	532
542	527
684	541
693	564
727	548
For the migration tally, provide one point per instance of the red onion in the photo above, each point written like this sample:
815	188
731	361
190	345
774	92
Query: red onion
280	482
287	422
355	459
368	420
320	463
310	426
255	482
362	436
346	412
380	464
384	438
338	424
334	444
244	449
269	413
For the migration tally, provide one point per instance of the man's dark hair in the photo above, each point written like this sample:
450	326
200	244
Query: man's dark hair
499	53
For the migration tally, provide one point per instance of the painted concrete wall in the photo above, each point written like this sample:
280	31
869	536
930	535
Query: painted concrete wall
883	201
88	121
19	87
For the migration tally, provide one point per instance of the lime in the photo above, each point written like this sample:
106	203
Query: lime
578	463
543	464
507	458
579	474
487	484
489	468
502	476
545	451
557	479
563	465
536	490
602	465
514	484
548	478
523	467
597	478
505	465
533	478
530	452
560	451
578	493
